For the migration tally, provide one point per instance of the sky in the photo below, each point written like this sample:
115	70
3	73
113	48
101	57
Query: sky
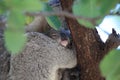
109	22
105	28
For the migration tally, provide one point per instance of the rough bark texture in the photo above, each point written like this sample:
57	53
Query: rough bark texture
4	54
90	49
41	59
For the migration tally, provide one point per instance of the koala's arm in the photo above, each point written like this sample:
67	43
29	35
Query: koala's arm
41	59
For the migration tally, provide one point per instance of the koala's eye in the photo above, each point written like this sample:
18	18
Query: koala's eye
54	36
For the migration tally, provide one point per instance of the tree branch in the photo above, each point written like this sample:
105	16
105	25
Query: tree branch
62	13
113	41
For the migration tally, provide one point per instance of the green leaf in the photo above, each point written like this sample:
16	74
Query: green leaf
107	6
32	5
44	0
92	9
3	7
53	21
14	34
110	65
115	75
24	5
16	20
87	8
14	40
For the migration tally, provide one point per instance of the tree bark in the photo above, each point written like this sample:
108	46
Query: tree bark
89	47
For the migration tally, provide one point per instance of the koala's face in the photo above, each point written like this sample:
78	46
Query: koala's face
62	37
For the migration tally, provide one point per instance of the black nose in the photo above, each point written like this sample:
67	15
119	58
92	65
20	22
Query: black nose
65	34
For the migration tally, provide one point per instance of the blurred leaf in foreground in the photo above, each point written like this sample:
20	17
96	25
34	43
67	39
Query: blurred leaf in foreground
14	34
110	65
53	21
92	9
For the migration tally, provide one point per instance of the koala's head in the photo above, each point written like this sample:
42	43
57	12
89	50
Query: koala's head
62	36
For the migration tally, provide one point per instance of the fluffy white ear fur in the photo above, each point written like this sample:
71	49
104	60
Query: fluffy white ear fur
40	59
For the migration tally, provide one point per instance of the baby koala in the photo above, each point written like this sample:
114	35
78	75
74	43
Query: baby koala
41	59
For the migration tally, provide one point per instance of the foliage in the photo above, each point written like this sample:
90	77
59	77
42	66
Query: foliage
110	65
92	10
14	35
53	21
3	8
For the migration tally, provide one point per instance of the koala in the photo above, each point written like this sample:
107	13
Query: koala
41	59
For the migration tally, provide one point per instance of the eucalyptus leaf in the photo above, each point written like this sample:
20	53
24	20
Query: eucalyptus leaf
87	8
14	41
32	5
110	64
14	34
16	20
92	9
44	0
24	5
3	7
53	21
115	74
107	6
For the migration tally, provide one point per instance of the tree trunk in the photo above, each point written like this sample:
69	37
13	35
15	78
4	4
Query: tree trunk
89	47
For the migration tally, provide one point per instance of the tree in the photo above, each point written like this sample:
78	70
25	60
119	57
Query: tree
89	47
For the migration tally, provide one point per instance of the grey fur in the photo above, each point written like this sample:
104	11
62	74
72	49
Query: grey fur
41	59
